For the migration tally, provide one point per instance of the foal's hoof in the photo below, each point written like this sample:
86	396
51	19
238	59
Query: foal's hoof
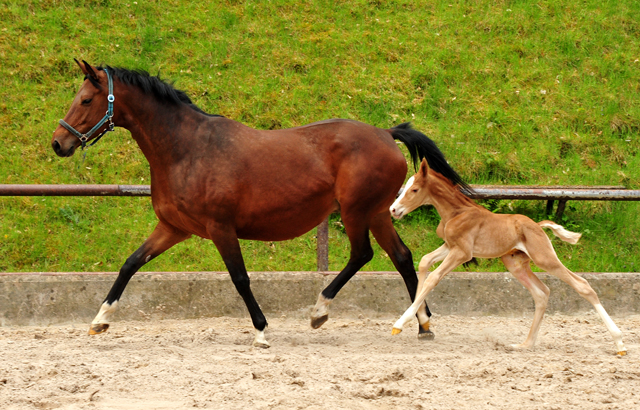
316	322
425	334
98	328
396	331
622	353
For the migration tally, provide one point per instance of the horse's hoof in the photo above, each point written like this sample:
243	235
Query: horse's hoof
261	345
622	353
426	335
98	328
316	322
396	331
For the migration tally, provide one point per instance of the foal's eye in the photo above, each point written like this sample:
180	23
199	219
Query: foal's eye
414	190
86	101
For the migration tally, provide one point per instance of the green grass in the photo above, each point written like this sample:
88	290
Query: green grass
514	92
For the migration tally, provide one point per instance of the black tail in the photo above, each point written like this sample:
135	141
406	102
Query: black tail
420	146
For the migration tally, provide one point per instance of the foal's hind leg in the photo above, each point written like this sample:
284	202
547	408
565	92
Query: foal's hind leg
388	239
361	253
519	265
162	238
545	257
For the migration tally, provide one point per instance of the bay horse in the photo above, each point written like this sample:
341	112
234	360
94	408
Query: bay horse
470	230
221	180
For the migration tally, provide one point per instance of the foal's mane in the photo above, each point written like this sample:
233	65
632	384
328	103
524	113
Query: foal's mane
444	184
161	90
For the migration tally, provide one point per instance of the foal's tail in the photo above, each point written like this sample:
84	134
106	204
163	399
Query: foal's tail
560	232
420	146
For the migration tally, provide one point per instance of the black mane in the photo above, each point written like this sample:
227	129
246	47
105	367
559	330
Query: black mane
161	90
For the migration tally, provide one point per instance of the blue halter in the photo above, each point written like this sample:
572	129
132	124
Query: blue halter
108	117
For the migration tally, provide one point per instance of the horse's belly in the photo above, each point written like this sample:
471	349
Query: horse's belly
285	224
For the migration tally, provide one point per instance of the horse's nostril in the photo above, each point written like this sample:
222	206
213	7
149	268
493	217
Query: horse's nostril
56	147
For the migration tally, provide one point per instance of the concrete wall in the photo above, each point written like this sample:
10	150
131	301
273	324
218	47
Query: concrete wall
53	298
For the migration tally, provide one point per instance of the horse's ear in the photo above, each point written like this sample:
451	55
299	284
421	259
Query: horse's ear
424	168
84	70
87	69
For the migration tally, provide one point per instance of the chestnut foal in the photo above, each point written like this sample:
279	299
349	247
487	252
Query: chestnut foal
469	230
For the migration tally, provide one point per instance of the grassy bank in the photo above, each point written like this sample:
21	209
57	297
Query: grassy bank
513	92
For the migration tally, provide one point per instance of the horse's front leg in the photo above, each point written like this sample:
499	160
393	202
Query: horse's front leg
162	238
227	243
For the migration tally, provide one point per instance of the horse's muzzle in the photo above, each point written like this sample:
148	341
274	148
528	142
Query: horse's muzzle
57	148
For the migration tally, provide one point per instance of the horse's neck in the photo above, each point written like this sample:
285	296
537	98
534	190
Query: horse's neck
158	129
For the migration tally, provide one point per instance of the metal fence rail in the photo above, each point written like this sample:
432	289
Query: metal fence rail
74	190
549	193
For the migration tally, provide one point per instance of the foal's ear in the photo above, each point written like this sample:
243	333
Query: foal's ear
424	168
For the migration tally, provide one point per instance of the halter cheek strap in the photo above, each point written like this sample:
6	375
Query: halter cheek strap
108	117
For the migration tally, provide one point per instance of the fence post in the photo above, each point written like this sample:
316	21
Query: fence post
322	244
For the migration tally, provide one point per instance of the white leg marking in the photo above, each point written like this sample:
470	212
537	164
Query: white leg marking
106	310
423	319
260	340
613	329
320	309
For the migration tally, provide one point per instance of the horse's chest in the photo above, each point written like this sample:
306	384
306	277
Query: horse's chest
181	213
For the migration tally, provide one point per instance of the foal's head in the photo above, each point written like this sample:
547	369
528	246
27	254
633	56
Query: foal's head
86	112
415	192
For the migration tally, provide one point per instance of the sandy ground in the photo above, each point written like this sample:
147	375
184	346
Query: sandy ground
347	364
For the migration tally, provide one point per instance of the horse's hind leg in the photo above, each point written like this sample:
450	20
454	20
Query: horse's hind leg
361	253
162	238
388	239
519	266
227	243
545	257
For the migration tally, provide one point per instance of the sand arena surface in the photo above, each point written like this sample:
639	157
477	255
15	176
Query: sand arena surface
347	364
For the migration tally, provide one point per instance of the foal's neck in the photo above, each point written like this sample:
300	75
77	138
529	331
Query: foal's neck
446	197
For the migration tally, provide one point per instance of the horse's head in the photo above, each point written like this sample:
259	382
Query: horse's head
415	193
86	119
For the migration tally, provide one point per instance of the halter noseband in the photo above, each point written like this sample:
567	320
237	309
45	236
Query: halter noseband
108	117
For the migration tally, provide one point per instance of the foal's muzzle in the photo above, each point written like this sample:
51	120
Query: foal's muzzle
397	213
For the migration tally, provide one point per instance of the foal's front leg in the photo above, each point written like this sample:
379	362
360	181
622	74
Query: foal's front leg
423	268
455	258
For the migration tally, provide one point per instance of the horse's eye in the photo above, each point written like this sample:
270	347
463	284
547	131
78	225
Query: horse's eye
414	190
86	101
